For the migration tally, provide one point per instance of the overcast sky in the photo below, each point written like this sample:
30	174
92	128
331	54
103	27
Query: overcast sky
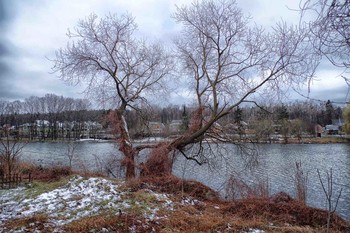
31	31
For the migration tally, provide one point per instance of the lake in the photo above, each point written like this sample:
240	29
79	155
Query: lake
276	164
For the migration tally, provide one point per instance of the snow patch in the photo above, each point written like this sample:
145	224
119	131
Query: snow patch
80	197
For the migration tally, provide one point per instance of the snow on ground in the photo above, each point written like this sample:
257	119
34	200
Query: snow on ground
80	197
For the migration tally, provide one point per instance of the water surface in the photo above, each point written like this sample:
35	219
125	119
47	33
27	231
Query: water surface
276	164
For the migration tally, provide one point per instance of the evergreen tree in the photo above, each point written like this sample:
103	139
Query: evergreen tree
282	113
329	115
237	116
185	120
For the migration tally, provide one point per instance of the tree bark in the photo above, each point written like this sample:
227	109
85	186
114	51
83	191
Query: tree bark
125	145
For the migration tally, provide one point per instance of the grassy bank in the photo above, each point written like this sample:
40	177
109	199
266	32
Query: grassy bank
76	203
326	140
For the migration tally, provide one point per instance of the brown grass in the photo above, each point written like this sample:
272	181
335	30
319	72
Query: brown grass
322	140
119	223
173	185
52	173
283	209
32	224
280	213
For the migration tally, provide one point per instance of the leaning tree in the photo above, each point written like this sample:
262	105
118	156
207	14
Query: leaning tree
116	65
225	59
228	60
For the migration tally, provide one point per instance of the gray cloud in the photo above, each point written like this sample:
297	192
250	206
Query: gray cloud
6	15
338	95
3	49
33	30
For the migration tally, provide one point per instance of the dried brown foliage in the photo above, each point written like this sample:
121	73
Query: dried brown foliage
36	223
49	173
173	185
112	120
284	209
277	214
238	189
158	163
114	223
120	130
196	120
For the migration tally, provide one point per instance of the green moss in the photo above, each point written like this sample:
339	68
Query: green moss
141	202
36	188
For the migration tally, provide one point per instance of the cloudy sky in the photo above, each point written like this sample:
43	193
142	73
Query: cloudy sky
31	31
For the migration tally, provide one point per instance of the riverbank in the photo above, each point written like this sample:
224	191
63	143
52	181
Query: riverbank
328	139
79	203
320	140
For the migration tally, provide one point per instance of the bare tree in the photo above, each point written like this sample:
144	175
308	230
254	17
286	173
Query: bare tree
228	62
330	26
10	151
328	191
105	54
71	152
225	60
3	107
31	105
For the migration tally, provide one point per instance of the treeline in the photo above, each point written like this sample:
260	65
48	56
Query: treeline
49	107
309	113
300	116
58	109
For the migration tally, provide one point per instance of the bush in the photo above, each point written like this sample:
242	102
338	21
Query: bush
53	173
173	185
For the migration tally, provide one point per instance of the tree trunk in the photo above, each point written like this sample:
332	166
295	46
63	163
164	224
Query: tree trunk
161	158
125	145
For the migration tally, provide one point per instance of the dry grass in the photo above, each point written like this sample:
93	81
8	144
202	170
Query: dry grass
36	223
322	140
46	174
280	213
52	173
119	223
209	217
173	185
282	209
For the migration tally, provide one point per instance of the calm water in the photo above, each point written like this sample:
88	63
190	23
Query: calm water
276	164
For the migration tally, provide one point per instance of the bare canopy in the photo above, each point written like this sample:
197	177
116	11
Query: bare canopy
228	61
225	59
330	26
116	66
105	54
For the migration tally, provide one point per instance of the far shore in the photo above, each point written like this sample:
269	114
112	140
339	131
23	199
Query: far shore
327	139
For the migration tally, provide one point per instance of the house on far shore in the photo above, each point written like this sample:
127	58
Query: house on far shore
334	128
155	128
318	130
175	126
